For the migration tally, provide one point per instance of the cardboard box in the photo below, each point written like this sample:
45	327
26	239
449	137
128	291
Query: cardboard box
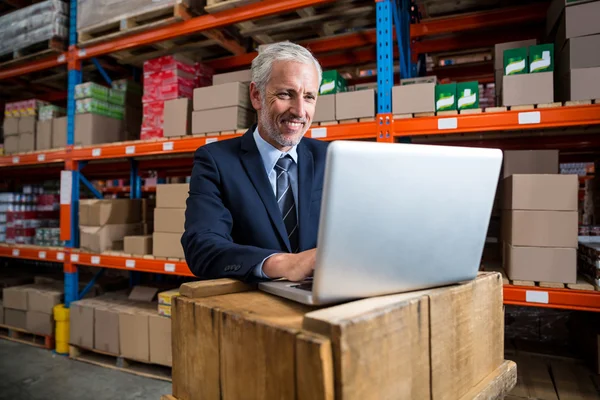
541	264
11	144
160	340
167	296
515	61
583	84
138	245
414	98
580	52
350	105
177	118
541	192
500	47
15	297
93	129
244	76
467	95
541	58
169	220
332	82
582	19
15	318
445	97
26	142
43	298
108	237
325	109
98	212
167	245
164	310
40	323
27	125
540	228
59	132
11	126
173	195
106	328
523	89
222	119
530	162
233	94
134	332
43	136
81	323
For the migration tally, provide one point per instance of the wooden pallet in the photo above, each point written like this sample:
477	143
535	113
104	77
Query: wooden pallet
214	6
119	363
33	52
134	22
581	284
22	336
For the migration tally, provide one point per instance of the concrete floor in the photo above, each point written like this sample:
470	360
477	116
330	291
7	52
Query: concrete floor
31	373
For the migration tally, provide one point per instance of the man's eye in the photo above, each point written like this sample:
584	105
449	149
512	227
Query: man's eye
284	95
310	97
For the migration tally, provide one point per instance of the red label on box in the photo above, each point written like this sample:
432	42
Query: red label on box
167	63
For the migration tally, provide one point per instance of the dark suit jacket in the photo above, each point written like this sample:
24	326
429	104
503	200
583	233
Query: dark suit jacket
232	222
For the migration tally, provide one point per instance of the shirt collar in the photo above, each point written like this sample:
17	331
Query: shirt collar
270	154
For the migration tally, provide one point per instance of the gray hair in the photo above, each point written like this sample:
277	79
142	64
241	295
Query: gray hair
283	51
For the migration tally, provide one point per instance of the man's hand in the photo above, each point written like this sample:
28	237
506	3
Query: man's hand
293	267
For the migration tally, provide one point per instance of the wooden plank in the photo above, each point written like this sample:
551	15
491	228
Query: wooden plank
522	107
367	119
471	111
496	385
327	123
446	113
424	114
496	109
577	103
214	287
534	379
581	284
500	270
348	121
464	350
257	359
553	285
167	397
195	343
381	346
550	105
573	382
214	6
402	116
314	368
522	283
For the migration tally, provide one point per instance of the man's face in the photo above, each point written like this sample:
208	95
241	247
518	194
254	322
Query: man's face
286	110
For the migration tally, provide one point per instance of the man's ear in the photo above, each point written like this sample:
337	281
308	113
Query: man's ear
255	96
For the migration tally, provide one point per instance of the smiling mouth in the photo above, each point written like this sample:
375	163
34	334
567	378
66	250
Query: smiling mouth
293	124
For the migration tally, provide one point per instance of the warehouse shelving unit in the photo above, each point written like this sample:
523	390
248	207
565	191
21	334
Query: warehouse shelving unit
384	127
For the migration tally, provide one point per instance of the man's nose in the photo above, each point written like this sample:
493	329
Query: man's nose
297	108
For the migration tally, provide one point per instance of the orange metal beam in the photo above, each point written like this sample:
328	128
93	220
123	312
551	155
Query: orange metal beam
500	121
33	253
40	157
131	263
552	298
34	66
478	20
209	21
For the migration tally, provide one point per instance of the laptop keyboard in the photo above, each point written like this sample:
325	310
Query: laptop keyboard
304	286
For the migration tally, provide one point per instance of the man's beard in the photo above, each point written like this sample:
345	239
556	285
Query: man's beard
272	132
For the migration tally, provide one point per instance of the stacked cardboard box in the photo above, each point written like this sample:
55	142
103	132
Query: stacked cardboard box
30	307
244	76
167	78
169	220
574	26
124	325
45	124
415	95
20	125
224	107
105	223
357	104
138	245
539	224
499	63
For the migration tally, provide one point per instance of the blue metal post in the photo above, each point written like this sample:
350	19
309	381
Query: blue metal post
74	78
90	284
385	56
135	180
91	187
102	71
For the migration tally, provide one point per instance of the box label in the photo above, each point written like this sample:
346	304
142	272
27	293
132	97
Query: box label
316	133
169	267
447	123
533	117
95	260
533	296
60	256
41	157
130	263
130	150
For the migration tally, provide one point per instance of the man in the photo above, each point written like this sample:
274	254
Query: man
254	203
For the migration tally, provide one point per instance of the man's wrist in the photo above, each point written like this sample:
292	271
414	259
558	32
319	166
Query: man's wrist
274	266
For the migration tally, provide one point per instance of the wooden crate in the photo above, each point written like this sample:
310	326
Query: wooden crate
35	51
436	344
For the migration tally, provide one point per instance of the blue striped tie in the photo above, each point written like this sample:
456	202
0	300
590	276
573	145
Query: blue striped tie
285	200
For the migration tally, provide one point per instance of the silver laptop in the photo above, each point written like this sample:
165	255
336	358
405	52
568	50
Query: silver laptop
397	218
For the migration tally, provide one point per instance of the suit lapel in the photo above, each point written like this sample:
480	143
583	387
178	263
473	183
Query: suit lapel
255	169
305	179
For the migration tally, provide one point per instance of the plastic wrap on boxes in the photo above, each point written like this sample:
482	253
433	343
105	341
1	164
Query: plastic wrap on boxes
92	13
26	108
33	24
50	111
99	107
91	90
